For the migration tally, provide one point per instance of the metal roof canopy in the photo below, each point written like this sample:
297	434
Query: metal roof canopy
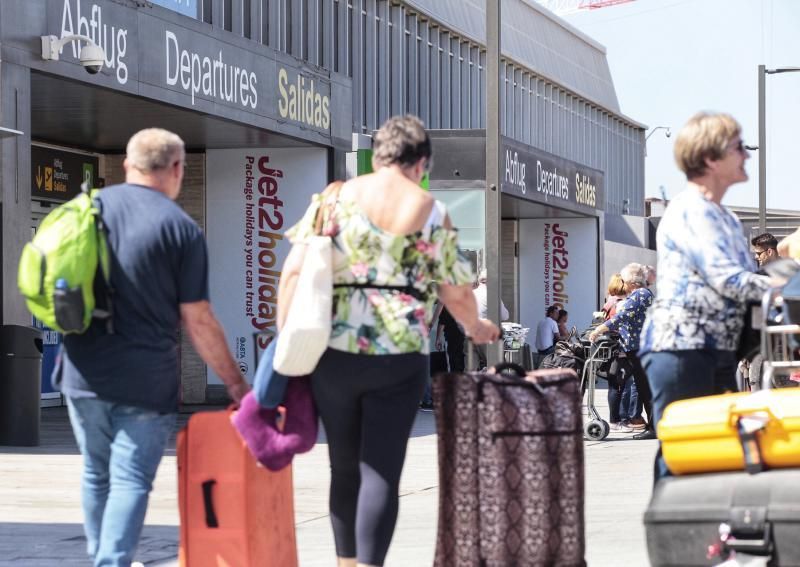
80	115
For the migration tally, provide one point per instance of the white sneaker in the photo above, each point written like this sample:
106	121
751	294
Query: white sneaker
620	428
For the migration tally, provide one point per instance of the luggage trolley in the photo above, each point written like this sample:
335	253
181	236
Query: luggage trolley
780	340
596	353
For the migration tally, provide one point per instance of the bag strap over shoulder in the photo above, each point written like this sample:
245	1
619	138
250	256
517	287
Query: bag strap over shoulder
437	214
104	295
329	197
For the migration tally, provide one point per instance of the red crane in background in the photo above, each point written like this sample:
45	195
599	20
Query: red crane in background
562	7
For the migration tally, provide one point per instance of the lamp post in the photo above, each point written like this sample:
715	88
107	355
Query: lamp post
494	352
762	139
668	132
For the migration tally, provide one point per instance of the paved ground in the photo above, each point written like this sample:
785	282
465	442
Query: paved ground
40	510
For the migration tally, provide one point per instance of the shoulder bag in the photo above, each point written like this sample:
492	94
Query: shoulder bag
307	329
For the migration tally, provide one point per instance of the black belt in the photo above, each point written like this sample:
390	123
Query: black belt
407	289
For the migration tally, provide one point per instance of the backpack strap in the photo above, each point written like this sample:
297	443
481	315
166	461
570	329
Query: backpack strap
105	265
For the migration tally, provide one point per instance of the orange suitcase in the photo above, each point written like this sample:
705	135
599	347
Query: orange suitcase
233	511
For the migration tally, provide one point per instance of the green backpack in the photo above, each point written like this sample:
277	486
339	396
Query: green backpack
58	267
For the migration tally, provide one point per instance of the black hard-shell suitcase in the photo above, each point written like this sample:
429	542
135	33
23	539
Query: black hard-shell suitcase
511	481
761	512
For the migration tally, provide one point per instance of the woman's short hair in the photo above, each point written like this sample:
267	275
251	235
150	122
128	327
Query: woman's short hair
616	285
154	149
706	136
634	273
402	140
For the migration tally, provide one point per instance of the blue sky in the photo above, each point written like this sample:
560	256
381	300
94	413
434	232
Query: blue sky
672	58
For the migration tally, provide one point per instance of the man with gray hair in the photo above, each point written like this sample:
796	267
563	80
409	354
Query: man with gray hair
121	387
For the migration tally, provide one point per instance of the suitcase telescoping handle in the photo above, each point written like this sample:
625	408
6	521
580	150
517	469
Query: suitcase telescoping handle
208	503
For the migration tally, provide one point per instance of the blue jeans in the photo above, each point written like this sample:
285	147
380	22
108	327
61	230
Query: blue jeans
629	406
121	447
684	374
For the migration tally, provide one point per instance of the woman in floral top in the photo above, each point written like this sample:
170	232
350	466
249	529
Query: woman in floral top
705	272
628	321
395	251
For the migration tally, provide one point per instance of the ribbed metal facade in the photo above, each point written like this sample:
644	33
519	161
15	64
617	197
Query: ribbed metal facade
558	95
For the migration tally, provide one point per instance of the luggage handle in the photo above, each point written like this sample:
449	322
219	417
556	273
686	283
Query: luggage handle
208	503
748	545
503	366
735	413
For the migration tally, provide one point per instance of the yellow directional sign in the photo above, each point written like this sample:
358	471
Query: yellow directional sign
56	175
48	178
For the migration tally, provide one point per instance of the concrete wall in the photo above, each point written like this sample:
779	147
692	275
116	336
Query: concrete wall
15	187
628	229
618	255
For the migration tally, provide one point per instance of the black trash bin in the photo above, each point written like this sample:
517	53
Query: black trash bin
20	384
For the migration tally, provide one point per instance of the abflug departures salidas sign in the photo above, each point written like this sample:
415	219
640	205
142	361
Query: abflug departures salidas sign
539	176
204	70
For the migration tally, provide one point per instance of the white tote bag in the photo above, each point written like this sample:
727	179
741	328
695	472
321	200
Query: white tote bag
307	329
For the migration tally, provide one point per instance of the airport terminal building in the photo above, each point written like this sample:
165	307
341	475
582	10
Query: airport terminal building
274	98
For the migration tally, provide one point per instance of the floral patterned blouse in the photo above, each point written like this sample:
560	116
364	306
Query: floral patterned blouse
378	321
629	318
705	277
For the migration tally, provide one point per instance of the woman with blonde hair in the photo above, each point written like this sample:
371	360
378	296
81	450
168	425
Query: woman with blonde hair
391	242
705	272
615	292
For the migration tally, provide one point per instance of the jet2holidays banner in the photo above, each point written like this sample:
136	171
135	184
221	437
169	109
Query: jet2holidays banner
558	266
253	197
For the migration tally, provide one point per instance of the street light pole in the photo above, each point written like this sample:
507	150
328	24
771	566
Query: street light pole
762	139
668	132
762	149
492	250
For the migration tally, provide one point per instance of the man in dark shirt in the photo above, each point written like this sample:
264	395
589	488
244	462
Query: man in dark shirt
122	387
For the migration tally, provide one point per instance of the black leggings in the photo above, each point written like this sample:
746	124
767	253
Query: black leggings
367	404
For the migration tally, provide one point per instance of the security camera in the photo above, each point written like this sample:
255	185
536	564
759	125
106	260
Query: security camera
92	58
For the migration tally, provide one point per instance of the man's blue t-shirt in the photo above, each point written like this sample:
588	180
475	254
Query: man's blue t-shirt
158	261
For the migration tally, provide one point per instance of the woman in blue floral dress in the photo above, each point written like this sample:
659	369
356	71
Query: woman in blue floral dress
705	273
395	251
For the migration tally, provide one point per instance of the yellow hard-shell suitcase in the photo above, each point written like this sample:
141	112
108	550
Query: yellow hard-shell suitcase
711	434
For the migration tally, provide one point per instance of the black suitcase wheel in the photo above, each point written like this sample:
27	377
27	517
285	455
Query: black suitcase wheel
596	430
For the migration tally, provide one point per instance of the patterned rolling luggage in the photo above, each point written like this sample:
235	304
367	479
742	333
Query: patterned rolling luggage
510	469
